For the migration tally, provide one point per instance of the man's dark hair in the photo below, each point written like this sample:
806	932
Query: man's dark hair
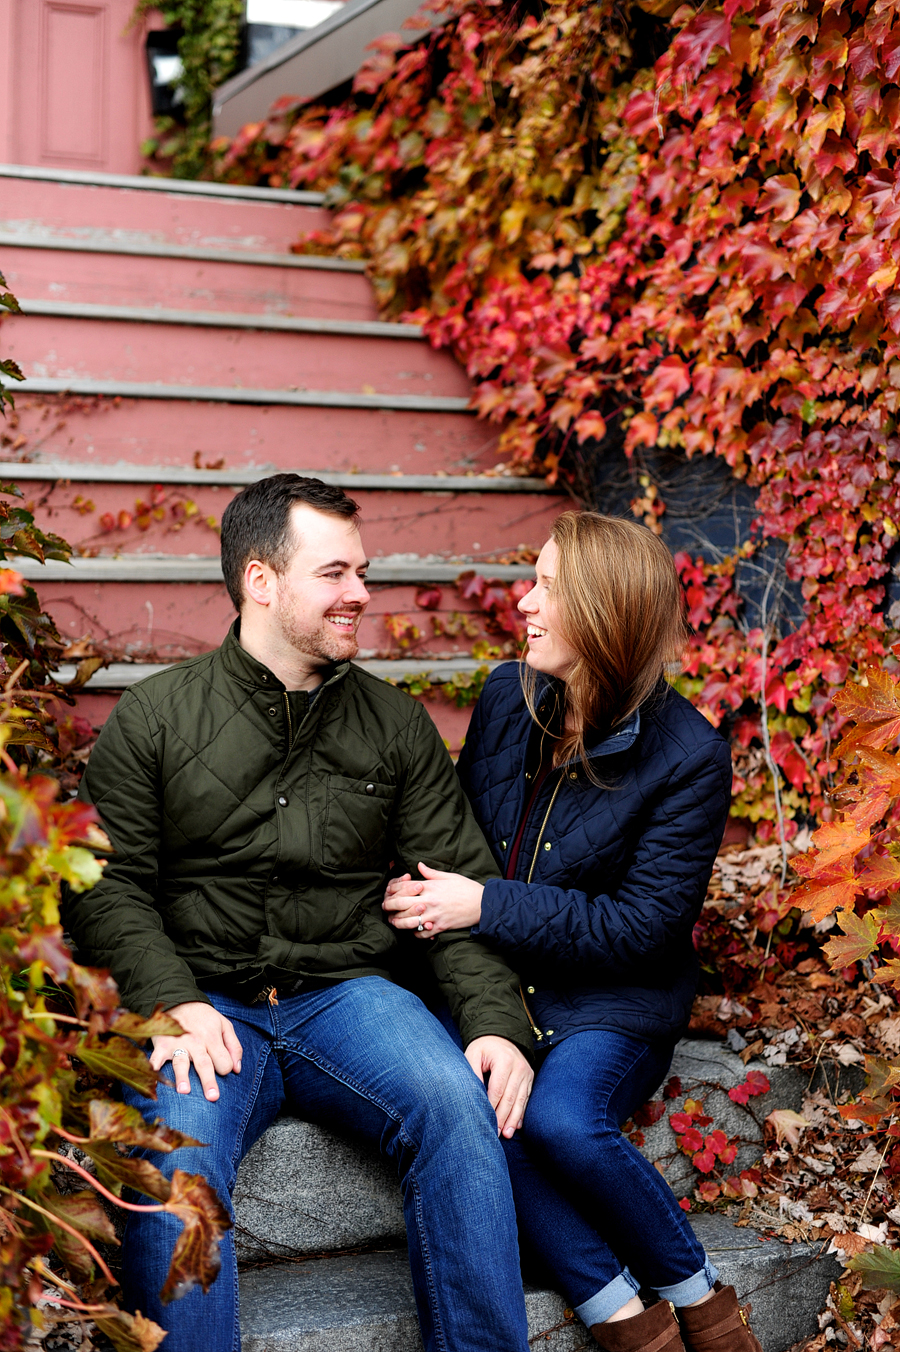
257	524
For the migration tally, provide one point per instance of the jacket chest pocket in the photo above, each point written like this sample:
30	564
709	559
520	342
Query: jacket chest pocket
355	823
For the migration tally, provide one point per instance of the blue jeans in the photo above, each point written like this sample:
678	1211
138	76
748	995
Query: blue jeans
601	1218
363	1057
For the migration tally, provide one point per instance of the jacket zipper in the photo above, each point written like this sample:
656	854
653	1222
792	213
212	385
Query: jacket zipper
543	824
538	1035
287	714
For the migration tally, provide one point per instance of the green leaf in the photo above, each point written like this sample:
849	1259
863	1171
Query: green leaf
881	1268
158	1024
116	1172
859	940
118	1122
129	1332
119	1059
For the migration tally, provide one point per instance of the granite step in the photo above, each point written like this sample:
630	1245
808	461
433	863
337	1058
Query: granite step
304	1190
364	1302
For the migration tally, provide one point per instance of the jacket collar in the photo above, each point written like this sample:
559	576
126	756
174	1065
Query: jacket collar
246	669
613	743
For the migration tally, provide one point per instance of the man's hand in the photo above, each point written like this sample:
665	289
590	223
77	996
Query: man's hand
510	1079
210	1042
444	901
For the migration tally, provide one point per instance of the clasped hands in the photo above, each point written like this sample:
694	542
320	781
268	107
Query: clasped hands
450	901
442	901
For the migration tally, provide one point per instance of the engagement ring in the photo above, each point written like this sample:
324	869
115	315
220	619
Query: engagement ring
180	1051
421	927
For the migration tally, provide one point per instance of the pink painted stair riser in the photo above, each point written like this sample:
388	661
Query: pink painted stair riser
159	432
164	621
185	284
174	218
443	523
174	354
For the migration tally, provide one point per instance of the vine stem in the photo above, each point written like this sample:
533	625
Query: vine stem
95	1183
64	1225
767	746
67	1136
59	1018
862	1214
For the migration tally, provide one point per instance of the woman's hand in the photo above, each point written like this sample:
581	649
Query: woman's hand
444	901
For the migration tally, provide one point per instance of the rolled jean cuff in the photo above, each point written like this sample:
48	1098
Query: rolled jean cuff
692	1288
608	1299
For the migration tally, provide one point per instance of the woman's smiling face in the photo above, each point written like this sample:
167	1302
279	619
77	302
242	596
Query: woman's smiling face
547	649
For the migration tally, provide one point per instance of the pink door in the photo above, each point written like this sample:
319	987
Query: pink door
74	91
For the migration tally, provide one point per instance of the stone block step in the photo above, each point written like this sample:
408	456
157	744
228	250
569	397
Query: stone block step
364	1303
218	319
302	1189
175	354
175	432
186	283
42	173
264	396
108	242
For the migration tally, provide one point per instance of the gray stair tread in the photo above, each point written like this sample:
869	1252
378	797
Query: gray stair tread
364	1303
142	183
358	1304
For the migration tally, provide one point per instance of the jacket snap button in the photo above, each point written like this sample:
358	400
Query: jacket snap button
282	801
548	846
370	788
549	1032
273	712
531	990
503	844
573	775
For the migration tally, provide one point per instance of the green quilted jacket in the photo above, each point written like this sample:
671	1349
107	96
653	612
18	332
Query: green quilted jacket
253	845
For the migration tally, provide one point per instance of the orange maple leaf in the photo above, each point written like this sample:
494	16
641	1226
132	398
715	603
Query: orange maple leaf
837	886
874	708
831	842
880	872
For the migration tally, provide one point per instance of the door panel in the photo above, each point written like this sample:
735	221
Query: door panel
78	93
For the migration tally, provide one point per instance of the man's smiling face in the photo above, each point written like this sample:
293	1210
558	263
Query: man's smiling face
321	596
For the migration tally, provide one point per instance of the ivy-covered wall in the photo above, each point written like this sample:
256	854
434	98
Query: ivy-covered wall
210	51
665	245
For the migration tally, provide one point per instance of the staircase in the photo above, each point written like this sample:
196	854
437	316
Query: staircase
176	350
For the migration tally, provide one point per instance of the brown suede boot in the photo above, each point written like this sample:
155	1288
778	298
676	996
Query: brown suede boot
718	1325
656	1330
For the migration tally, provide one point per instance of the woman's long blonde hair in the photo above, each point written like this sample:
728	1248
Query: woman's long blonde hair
621	609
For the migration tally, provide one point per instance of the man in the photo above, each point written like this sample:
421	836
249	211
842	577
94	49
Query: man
256	798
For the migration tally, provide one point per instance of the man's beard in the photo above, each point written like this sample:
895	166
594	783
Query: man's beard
318	641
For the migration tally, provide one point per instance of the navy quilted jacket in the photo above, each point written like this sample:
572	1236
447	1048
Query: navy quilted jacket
601	934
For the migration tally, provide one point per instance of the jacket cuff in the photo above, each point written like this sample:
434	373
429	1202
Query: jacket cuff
491	907
145	1004
526	1046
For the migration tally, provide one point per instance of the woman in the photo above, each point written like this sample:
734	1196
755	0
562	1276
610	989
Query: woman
604	795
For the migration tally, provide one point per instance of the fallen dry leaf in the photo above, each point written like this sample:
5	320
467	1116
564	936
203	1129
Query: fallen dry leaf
787	1125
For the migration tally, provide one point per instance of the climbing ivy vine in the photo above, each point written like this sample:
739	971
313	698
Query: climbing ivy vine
646	230
210	49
